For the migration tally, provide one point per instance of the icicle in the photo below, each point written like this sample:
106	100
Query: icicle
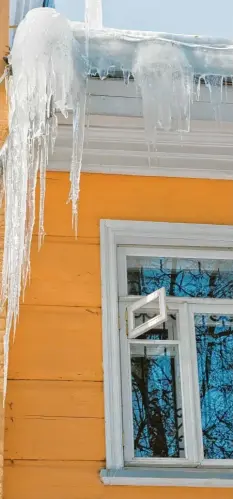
164	77
126	76
94	15
93	19
198	91
42	66
79	113
4	75
214	83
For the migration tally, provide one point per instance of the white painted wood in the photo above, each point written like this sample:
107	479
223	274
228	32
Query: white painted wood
115	141
188	400
126	387
194	236
173	301
168	482
111	354
160	295
182	341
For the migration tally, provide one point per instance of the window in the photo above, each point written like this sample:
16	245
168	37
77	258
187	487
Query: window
183	365
168	350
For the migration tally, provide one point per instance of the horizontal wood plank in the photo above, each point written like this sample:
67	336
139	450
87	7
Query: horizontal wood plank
52	480
57	343
156	199
54	398
55	438
64	272
57	213
80	480
133	198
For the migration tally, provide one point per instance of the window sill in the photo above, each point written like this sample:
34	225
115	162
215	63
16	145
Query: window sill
168	477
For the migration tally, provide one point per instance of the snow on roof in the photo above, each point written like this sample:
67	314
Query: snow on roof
116	48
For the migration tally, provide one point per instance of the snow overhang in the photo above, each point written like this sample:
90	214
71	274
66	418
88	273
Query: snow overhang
114	50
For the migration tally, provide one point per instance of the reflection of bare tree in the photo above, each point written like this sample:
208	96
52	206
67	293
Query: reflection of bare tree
149	434
182	277
215	368
157	427
157	431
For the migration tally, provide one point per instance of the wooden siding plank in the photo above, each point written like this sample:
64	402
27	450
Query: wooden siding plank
57	190
52	480
123	197
62	343
133	198
55	438
79	480
64	273
55	398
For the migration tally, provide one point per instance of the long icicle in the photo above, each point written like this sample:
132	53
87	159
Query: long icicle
42	79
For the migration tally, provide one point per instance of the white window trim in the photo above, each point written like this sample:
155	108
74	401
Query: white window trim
113	233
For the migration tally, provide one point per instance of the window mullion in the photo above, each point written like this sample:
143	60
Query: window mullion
126	383
189	405
195	383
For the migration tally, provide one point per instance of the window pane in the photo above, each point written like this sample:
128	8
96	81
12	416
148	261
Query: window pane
166	331
156	395
181	277
214	339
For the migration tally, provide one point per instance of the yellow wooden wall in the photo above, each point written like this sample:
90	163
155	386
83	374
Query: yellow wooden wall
54	437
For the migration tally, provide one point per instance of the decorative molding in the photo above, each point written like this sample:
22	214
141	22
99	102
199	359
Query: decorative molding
166	234
113	147
115	141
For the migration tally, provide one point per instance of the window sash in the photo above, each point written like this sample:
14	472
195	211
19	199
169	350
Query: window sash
156	251
191	409
216	309
186	391
136	331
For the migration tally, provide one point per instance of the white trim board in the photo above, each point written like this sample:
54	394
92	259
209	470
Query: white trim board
167	478
115	141
127	232
117	145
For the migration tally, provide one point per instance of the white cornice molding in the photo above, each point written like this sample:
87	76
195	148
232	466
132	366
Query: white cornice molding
115	140
113	147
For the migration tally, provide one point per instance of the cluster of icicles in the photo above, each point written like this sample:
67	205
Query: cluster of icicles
49	73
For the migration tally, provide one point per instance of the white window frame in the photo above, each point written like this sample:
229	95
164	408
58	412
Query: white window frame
160	295
145	238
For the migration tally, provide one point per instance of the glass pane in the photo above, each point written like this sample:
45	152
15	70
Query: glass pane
214	339
156	395
166	331
180	276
